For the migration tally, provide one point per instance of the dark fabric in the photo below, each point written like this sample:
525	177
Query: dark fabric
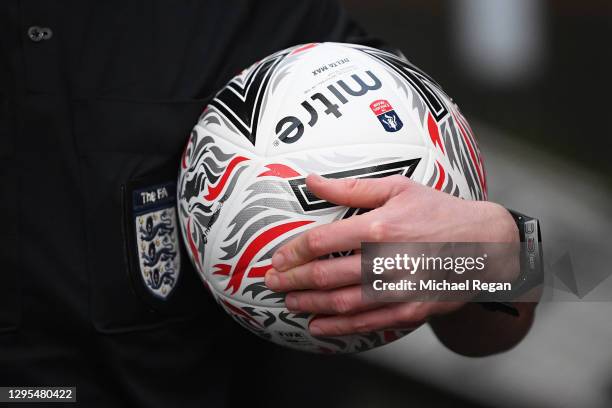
108	99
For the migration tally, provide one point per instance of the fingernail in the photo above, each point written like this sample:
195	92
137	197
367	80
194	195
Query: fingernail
272	279
315	330
291	303
278	260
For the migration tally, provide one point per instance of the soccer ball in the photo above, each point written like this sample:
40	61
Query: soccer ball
340	110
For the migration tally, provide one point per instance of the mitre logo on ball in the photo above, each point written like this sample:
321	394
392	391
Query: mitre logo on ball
291	128
339	110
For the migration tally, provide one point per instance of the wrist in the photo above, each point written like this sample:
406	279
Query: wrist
499	225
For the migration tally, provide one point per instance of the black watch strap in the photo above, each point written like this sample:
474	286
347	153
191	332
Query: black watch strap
531	261
529	228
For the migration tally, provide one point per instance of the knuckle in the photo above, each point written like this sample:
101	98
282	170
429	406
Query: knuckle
378	231
397	178
351	187
351	184
403	315
337	329
314	241
319	275
409	315
300	302
290	278
400	180
293	254
340	304
360	326
399	183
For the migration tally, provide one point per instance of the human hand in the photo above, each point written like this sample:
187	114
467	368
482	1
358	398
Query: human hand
402	211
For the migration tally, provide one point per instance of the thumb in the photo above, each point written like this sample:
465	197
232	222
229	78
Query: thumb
357	193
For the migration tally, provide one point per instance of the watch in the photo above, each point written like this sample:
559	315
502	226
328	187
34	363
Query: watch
531	252
532	271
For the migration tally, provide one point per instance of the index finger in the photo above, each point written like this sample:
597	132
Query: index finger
342	235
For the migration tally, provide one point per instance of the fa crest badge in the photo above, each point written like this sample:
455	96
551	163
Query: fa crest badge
157	241
386	115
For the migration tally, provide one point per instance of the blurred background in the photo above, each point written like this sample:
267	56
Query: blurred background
538	69
532	77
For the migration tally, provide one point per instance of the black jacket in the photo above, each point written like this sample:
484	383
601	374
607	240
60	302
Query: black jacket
95	103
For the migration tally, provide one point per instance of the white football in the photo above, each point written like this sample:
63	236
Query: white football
339	110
